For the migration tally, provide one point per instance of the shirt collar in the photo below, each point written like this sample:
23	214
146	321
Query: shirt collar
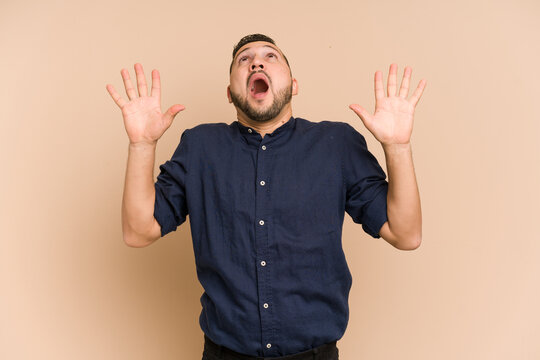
253	137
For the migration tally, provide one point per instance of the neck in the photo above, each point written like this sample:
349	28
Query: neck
266	127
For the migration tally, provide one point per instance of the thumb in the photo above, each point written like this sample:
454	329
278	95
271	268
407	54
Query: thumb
171	113
362	113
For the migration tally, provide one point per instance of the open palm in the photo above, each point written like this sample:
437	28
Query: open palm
392	121
143	119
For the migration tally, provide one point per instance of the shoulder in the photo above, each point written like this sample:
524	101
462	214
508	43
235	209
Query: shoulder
327	124
324	124
207	129
336	129
350	134
206	133
333	128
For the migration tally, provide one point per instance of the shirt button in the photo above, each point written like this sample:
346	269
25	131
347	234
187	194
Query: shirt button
249	130
262	183
261	222
265	305
263	147
269	345
263	263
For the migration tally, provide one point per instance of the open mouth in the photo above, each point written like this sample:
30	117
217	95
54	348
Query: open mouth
259	86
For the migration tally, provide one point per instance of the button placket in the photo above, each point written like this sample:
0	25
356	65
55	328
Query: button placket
261	241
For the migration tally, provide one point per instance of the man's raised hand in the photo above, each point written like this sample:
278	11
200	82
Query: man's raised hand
392	121
143	119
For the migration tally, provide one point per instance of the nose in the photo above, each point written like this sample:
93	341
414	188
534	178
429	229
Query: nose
257	64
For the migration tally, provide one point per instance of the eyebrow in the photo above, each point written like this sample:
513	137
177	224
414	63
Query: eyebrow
250	48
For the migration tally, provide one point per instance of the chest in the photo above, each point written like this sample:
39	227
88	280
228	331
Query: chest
299	185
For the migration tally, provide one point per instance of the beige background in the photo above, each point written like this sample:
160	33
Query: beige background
71	289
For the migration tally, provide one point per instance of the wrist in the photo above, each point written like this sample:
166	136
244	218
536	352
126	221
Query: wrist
396	148
142	145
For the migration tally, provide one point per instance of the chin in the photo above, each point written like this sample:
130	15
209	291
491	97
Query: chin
267	100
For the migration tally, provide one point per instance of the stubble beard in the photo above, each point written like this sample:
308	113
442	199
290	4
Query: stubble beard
281	98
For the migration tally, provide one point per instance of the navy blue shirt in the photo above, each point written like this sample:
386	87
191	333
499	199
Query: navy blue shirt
266	217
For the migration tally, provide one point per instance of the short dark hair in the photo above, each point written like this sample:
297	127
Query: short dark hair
252	38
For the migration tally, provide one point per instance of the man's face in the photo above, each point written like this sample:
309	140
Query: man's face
260	82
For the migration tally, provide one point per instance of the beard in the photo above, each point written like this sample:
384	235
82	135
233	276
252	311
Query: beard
281	98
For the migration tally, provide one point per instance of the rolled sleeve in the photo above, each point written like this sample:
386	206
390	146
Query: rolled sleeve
365	181
170	206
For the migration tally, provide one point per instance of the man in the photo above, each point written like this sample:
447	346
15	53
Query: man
266	196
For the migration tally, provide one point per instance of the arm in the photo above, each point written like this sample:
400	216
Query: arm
404	226
145	124
139	226
392	127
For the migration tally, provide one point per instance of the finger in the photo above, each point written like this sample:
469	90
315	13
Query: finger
116	97
130	91
392	80
172	112
141	81
404	90
156	85
418	92
379	90
362	113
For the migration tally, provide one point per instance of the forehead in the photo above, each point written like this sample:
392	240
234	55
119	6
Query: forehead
257	45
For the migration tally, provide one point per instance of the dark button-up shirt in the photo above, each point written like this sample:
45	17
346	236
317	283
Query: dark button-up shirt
266	217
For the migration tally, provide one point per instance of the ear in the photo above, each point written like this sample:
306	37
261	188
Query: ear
229	94
294	86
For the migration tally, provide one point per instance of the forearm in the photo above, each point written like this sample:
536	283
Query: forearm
139	192
403	200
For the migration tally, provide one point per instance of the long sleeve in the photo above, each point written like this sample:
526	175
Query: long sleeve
170	207
366	183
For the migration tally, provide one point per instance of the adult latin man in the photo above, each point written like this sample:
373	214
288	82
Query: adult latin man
266	196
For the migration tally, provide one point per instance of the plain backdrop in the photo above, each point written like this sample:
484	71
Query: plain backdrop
71	289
